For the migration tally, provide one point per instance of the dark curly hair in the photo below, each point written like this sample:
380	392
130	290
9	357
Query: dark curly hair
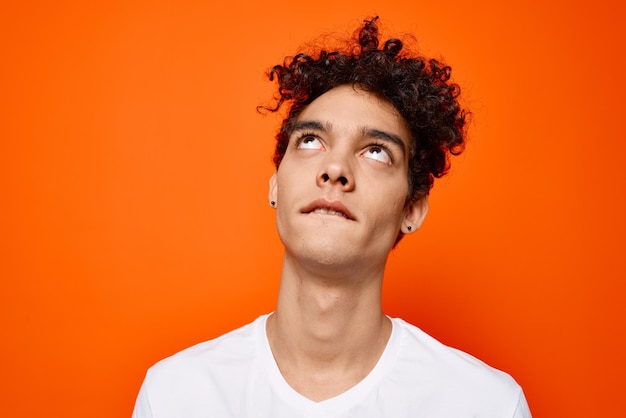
417	87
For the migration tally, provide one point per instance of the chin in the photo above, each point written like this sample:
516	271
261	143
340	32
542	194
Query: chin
327	253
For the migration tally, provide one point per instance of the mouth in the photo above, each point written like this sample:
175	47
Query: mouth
325	211
325	207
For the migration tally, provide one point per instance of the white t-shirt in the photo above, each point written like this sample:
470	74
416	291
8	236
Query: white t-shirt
236	376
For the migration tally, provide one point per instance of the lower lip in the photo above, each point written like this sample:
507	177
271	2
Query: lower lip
329	215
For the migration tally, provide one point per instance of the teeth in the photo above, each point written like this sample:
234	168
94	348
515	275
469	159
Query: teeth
329	212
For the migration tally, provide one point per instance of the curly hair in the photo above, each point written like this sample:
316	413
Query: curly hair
417	87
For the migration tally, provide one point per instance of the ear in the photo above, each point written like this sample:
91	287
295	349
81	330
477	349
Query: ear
415	215
273	192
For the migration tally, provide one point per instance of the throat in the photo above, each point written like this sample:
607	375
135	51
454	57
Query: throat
322	363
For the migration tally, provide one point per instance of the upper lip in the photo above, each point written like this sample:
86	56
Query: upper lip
333	205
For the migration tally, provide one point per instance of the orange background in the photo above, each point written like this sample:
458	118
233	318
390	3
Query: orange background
134	169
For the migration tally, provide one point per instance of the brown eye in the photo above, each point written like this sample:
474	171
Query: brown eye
310	142
378	153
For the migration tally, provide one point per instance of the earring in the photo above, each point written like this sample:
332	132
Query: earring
272	203
409	228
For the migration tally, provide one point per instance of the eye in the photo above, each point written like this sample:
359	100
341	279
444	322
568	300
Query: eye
378	153
309	142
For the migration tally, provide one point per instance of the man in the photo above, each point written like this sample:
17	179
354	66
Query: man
366	133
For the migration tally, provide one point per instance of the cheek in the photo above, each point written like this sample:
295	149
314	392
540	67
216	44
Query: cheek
283	186
286	198
282	221
295	174
392	204
387	190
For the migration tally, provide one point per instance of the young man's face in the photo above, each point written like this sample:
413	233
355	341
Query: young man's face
342	185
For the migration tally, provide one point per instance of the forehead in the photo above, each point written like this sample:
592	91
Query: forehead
348	107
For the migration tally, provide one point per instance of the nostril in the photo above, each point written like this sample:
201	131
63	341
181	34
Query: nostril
343	180
325	177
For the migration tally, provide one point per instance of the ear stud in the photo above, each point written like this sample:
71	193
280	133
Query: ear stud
409	228
272	203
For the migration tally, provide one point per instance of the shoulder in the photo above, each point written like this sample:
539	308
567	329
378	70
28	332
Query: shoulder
202	379
446	372
232	350
418	347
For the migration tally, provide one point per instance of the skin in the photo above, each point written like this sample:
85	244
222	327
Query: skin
340	193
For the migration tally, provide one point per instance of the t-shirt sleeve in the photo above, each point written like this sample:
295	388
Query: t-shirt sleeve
522	410
142	404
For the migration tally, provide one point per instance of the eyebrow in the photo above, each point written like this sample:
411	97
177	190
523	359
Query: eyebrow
385	136
309	124
365	132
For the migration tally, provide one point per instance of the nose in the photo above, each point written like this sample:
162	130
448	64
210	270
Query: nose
336	172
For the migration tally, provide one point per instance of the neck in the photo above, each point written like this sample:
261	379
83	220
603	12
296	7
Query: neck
327	333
